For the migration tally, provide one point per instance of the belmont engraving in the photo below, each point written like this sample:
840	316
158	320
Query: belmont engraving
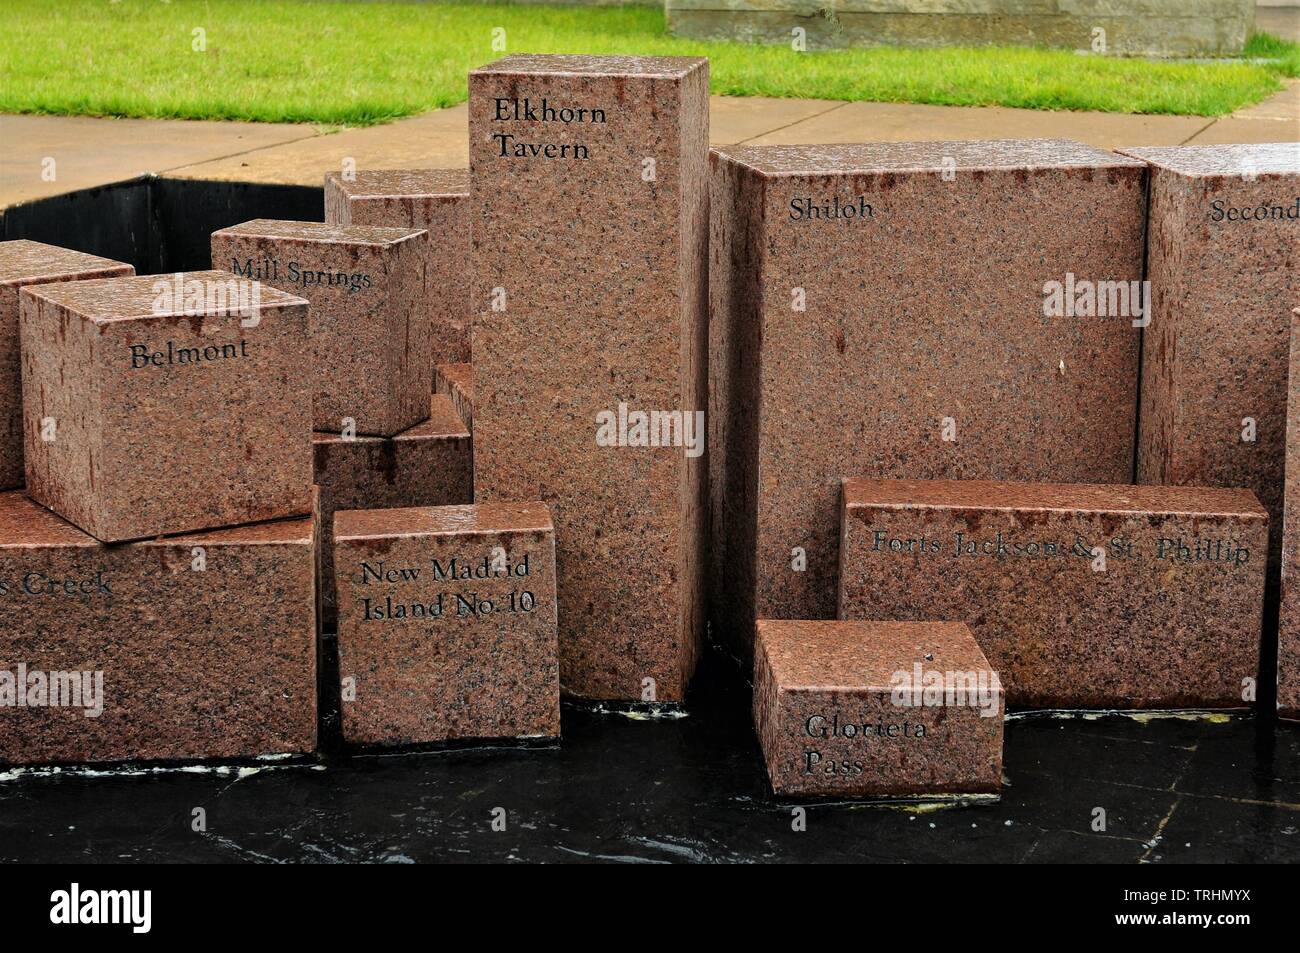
142	356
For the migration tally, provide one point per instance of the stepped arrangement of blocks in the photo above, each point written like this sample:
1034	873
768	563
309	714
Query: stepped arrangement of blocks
912	431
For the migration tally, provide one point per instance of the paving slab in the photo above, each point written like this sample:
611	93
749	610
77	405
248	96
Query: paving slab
432	140
89	151
737	119
910	122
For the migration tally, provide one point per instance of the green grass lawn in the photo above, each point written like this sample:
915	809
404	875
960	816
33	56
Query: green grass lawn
356	64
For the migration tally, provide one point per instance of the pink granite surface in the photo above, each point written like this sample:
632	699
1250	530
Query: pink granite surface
600	258
22	263
1217	348
174	402
370	343
1288	634
457	382
217	662
432	464
836	717
447	623
433	199
923	317
1170	618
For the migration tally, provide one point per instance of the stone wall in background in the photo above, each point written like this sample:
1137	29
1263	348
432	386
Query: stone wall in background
1133	27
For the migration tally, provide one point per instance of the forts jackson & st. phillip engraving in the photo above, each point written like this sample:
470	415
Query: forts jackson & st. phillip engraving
958	545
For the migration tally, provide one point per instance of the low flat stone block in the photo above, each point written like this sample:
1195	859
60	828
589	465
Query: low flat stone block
907	310
22	263
1081	596
432	464
858	709
190	647
447	623
165	403
457	382
432	199
370	349
1224	266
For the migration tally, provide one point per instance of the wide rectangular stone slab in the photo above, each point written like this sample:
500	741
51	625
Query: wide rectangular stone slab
192	647
883	310
370	344
447	623
432	199
588	203
432	464
1214	360
857	709
457	382
22	263
165	404
1081	596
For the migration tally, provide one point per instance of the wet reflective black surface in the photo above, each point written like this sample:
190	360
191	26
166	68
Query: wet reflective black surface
623	788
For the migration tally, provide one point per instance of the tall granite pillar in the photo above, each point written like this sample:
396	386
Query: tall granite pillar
589	211
1224	264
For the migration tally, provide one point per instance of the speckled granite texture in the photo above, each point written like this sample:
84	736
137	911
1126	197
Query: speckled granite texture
432	464
836	717
371	349
1170	618
29	263
432	199
869	302
447	623
175	403
457	382
1216	350
1288	635
589	293
211	662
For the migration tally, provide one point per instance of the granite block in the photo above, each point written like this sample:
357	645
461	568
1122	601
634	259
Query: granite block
190	647
457	382
432	199
588	219
432	464
447	623
897	310
165	404
1288	633
22	263
371	349
883	709
1222	287
1081	596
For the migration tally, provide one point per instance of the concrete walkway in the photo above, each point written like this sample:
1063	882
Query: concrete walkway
88	152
